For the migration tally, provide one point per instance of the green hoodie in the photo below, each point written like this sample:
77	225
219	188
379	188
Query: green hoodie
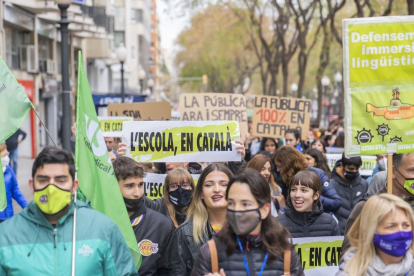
30	245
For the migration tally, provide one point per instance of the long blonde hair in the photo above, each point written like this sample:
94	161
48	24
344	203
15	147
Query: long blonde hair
198	211
361	234
178	175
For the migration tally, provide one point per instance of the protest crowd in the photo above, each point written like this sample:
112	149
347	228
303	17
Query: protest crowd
229	196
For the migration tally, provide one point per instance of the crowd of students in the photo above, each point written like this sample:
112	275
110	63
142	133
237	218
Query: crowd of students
240	217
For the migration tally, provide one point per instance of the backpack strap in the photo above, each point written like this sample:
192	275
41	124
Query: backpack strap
213	256
286	262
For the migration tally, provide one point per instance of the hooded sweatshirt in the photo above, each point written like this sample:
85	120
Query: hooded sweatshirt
30	245
350	191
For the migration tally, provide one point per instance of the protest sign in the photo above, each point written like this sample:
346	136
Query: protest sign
368	163
146	111
154	184
178	141
378	82
112	126
214	107
319	255
273	116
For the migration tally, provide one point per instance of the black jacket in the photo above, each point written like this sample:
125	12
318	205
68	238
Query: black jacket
154	234
160	206
13	140
233	265
351	192
184	250
308	224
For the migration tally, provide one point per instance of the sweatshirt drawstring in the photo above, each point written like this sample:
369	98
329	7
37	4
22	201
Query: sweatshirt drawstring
34	244
63	235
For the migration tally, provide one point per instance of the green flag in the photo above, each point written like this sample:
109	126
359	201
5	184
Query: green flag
14	106
95	173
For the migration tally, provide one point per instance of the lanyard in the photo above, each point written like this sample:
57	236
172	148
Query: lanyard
246	266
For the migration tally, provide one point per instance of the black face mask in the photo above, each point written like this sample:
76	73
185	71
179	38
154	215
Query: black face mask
181	197
351	175
133	205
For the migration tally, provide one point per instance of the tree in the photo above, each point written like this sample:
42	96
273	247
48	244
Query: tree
217	45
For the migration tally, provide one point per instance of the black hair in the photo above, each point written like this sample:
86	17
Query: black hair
356	161
320	160
54	155
125	167
274	236
295	132
263	142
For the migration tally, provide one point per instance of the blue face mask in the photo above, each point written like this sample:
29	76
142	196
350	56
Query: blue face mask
395	244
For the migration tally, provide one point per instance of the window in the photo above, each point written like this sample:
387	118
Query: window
137	15
119	38
14	39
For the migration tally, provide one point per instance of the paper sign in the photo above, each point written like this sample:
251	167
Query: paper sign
112	126
379	85
180	141
273	116
146	111
154	184
214	107
368	163
319	255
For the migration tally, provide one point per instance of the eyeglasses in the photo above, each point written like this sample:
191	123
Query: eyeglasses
174	186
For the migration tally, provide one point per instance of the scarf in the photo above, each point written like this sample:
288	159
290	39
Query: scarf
378	268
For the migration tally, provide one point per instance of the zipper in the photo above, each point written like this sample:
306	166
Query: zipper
56	250
250	262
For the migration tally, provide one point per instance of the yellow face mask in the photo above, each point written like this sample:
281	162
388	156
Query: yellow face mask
52	199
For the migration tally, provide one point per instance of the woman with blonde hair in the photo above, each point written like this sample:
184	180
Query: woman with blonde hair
381	239
263	164
177	196
206	217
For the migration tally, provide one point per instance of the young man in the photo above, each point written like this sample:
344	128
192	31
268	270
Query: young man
152	229
38	241
349	185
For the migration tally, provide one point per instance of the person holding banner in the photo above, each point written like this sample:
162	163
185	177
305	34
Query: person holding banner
206	216
304	216
290	161
292	137
44	229
252	242
152	229
349	184
177	195
263	164
381	239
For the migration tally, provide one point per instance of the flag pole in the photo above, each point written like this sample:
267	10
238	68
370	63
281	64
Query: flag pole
74	237
50	136
389	173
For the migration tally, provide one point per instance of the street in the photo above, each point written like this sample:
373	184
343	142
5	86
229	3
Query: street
23	175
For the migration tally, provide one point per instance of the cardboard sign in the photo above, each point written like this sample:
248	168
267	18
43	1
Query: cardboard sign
154	184
147	111
112	126
214	107
179	141
273	116
378	81
319	255
368	163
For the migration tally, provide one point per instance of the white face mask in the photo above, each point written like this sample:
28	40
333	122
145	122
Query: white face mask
5	160
382	164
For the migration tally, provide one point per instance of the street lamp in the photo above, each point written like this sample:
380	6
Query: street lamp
141	76
294	88
338	80
325	81
121	54
66	92
150	83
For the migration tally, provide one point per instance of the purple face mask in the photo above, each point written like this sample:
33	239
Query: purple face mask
395	244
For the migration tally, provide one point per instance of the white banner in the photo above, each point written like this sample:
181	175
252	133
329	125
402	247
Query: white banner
181	141
368	163
112	126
